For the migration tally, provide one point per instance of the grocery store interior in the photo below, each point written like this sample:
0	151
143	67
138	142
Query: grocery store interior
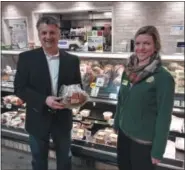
101	34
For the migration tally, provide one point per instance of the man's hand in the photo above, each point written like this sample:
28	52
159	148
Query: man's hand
53	103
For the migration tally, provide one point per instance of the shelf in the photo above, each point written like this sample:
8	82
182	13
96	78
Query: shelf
7	89
84	149
12	52
177	134
107	101
105	55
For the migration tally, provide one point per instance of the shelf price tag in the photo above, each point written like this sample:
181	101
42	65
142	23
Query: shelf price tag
8	106
182	103
111	122
95	91
176	103
100	82
118	88
113	96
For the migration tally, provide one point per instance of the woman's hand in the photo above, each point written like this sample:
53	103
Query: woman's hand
155	161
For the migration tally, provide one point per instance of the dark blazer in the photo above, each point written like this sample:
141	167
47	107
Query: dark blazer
33	85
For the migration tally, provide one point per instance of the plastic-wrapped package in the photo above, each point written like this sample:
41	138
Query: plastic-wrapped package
12	99
170	150
179	143
176	124
70	96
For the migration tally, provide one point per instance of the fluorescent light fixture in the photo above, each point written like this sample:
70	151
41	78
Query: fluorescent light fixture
108	14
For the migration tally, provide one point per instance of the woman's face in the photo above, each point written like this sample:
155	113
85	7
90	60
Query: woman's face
144	46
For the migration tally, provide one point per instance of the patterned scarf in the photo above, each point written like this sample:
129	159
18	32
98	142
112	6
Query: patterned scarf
137	73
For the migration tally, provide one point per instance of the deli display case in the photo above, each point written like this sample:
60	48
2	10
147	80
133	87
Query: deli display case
92	132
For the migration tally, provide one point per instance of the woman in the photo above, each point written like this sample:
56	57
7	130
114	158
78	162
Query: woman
145	103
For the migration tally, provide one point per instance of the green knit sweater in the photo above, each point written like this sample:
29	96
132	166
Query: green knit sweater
144	110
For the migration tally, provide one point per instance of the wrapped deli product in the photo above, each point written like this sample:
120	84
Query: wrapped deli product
107	115
72	96
12	99
85	112
176	124
106	136
179	143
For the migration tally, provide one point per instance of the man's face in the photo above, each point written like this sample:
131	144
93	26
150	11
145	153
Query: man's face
49	35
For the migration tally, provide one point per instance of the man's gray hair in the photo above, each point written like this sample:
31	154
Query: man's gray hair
49	20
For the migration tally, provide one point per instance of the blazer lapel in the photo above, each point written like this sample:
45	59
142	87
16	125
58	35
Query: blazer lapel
45	70
62	69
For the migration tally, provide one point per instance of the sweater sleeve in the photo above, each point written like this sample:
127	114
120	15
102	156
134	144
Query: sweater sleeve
165	98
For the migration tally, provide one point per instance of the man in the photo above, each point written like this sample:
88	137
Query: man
40	74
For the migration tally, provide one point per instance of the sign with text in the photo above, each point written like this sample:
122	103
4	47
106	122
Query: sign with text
95	41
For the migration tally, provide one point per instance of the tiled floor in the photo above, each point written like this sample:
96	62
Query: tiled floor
16	160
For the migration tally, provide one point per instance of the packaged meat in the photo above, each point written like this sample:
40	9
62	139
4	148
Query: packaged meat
15	122
175	66
70	96
75	111
12	99
76	125
77	133
109	131
117	80
87	124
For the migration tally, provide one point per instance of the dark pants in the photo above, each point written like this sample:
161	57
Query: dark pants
132	155
40	148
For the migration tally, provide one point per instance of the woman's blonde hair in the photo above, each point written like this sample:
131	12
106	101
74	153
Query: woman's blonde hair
152	31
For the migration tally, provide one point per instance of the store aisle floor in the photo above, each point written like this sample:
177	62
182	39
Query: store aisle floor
16	160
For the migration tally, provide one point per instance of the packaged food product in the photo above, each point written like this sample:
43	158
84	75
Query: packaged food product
77	133
176	124
72	96
107	115
85	112
113	139
179	143
75	111
100	137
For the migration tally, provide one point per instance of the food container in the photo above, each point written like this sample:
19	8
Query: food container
85	113
107	115
99	137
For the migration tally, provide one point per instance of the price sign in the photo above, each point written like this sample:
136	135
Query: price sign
113	96
182	103
100	82
95	91
177	103
8	106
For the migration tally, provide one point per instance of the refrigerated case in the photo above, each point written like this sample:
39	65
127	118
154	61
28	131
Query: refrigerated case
101	77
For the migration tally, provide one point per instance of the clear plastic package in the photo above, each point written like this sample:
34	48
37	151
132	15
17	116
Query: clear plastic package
70	96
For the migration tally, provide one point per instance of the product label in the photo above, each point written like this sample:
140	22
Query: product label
113	96
125	82
100	82
95	91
